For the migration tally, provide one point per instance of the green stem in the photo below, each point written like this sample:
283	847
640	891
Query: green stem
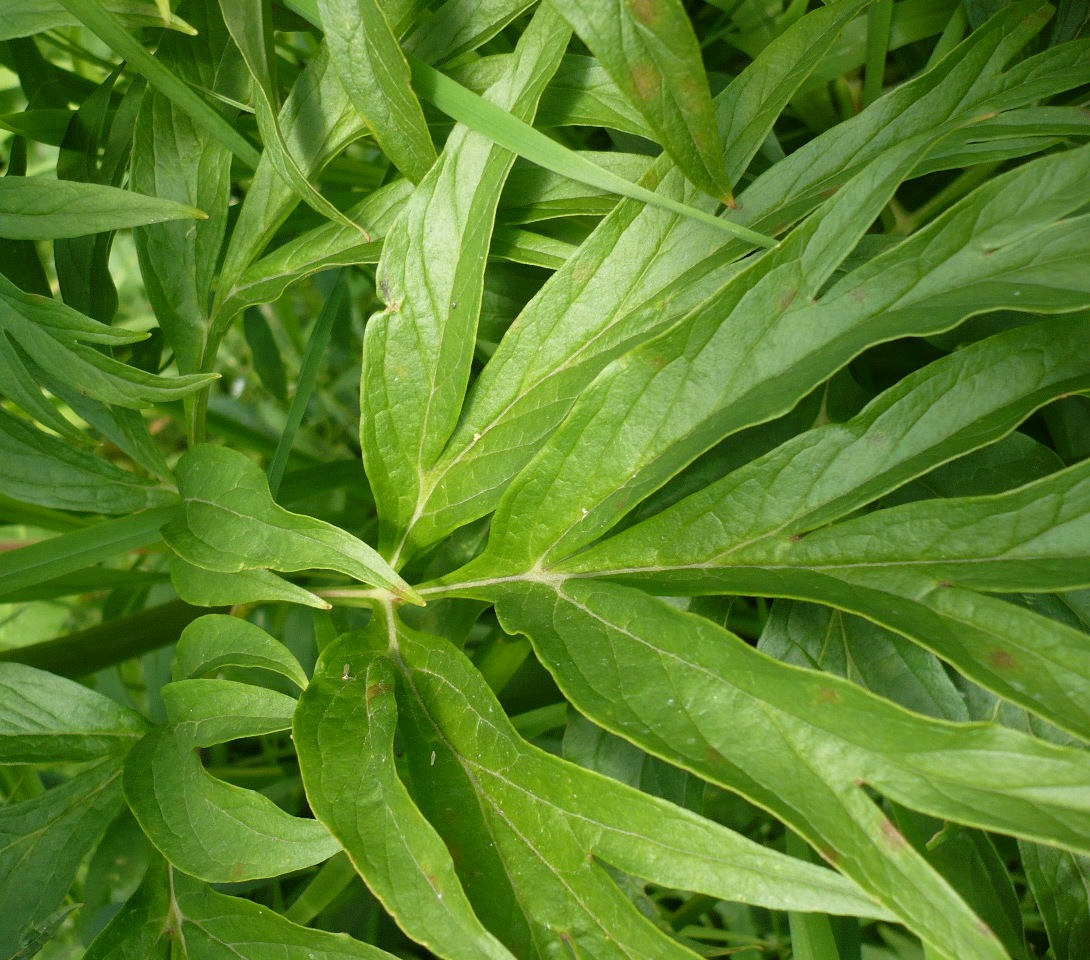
879	18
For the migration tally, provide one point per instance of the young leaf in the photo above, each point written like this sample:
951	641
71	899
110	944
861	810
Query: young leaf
34	208
649	49
229	522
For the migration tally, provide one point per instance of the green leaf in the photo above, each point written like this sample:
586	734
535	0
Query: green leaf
42	843
250	24
417	353
110	31
35	208
205	712
317	121
208	588
664	405
213	642
45	719
175	156
171	912
230	523
1060	882
456	28
618	289
57	556
38	468
800	743
330	245
507	131
56	338
649	49
375	75
211	829
550	822
808	635
344	730
18	19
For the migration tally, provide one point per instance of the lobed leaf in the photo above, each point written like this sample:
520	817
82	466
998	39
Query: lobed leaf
550	821
229	523
211	829
171	912
801	744
344	731
215	641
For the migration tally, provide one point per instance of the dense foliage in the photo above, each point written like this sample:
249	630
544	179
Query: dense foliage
697	561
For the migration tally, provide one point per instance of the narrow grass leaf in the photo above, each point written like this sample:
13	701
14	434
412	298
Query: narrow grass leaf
499	125
56	556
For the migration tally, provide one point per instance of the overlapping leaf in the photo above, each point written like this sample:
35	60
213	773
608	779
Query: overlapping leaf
42	843
171	913
531	829
417	353
650	269
754	725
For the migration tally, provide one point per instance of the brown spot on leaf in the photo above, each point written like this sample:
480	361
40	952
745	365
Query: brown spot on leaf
377	690
786	298
1002	659
795	537
893	836
645	78
648	12
827	695
829	855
